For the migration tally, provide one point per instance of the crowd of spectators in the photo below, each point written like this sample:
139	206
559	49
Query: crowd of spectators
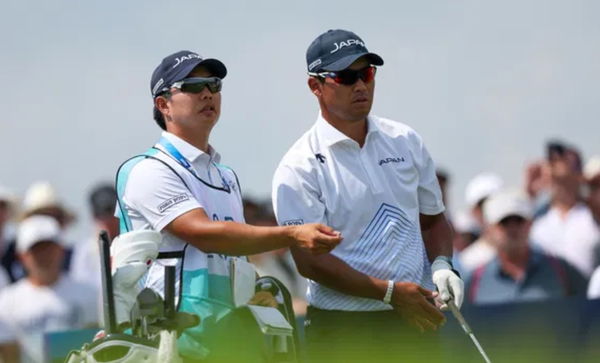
512	243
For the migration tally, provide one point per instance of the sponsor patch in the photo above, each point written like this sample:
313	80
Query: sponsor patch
293	222
171	202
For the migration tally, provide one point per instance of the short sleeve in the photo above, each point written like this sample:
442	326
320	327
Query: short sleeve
429	192
296	197
157	194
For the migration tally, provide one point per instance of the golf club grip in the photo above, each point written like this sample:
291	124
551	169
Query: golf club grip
108	301
169	291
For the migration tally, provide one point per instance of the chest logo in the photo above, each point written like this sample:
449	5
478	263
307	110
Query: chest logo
320	157
391	160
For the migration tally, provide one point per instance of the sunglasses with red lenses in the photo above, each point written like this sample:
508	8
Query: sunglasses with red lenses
348	77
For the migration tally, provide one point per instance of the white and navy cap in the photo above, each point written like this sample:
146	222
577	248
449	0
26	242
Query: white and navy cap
37	229
336	50
177	66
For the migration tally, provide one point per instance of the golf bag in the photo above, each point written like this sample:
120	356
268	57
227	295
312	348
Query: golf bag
142	326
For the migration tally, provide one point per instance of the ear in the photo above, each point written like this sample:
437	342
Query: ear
161	104
315	86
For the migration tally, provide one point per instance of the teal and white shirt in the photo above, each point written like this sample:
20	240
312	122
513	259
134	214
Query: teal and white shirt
169	180
373	195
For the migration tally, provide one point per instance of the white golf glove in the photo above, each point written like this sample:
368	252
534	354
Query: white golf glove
448	282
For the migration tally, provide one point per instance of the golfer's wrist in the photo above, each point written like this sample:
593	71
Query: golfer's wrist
441	263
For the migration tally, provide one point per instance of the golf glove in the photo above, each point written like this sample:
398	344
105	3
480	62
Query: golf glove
448	282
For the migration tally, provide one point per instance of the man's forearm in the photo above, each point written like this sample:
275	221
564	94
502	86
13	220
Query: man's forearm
437	235
238	239
336	274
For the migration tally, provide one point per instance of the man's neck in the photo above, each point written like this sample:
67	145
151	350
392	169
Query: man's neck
43	280
564	200
198	139
514	261
356	130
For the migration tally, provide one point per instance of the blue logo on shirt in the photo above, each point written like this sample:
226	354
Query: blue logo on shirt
391	160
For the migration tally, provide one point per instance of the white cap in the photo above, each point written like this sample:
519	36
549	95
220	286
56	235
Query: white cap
592	167
464	222
482	186
36	229
506	203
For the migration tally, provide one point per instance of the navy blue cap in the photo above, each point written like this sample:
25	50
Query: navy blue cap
336	50
177	66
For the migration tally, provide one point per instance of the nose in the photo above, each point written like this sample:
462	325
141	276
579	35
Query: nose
205	94
360	85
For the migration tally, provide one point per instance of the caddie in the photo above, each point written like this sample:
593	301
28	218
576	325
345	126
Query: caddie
180	188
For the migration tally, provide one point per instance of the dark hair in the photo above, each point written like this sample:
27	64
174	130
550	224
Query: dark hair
159	118
103	199
157	115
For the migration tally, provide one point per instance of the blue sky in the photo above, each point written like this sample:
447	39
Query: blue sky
485	83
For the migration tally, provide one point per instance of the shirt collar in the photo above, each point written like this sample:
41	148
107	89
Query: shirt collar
330	135
534	259
189	151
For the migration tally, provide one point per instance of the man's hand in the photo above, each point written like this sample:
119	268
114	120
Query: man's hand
316	238
411	302
449	286
263	298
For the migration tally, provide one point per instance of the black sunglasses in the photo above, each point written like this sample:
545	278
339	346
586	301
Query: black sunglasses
197	85
348	77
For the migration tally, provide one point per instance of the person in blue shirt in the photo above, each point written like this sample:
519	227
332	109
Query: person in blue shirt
519	272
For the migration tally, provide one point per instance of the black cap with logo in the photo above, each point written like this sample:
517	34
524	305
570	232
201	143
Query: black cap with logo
177	66
336	50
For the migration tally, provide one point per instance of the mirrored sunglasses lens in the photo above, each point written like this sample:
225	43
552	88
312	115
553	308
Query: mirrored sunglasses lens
367	74
349	76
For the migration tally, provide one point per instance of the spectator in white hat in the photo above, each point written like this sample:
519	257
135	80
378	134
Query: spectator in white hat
568	229
518	272
41	198
591	172
481	251
466	230
46	300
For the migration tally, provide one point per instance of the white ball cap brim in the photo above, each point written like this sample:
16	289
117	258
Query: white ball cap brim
36	229
506	203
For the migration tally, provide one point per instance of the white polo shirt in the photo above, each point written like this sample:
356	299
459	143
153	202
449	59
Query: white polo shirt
373	195
574	237
153	193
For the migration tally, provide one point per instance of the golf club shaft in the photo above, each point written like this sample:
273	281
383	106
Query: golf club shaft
467	329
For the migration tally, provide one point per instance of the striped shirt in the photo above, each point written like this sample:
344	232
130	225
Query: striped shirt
373	195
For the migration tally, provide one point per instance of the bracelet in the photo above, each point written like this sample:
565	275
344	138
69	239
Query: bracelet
388	293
